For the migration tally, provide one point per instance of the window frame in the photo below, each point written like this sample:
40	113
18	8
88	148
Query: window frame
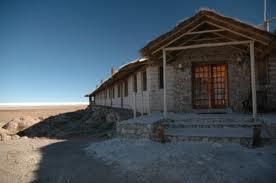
126	88
113	92
161	77
144	79
119	90
135	87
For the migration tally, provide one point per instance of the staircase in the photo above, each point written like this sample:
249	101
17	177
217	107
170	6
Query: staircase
212	128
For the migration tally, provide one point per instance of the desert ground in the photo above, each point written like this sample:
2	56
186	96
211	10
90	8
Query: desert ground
9	113
112	159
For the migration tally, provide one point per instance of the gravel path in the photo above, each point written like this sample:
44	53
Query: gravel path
187	162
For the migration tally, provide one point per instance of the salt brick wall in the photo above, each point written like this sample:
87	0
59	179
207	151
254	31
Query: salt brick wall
142	97
179	84
238	76
156	94
272	80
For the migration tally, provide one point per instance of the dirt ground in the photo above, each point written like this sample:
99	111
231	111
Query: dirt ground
87	159
9	113
50	160
45	160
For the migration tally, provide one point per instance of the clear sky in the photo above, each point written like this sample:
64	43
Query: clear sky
58	50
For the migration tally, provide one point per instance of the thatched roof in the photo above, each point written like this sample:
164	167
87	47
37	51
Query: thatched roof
123	72
209	19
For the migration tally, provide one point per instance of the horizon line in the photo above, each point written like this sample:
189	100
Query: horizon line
16	104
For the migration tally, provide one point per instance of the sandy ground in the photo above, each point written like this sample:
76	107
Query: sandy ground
115	160
45	160
9	113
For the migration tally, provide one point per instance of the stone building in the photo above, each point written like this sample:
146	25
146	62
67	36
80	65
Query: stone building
208	62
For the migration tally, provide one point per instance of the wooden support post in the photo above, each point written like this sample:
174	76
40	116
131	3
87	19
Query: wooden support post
164	80
148	90
134	104
253	80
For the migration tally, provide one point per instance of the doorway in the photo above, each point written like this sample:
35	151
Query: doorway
209	84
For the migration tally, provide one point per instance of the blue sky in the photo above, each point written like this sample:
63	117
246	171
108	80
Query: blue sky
58	50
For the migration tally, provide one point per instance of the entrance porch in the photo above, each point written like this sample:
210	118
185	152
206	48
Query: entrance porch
232	127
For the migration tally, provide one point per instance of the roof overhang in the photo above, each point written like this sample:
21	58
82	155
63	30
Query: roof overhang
121	74
209	27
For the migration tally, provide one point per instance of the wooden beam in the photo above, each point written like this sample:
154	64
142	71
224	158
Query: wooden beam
207	39
206	45
189	33
164	83
181	45
232	39
170	42
178	31
237	33
242	29
253	80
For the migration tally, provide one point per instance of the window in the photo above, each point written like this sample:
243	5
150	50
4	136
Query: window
161	79
113	92
144	80
135	83
126	88
119	90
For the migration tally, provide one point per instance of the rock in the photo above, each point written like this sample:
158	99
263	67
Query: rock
4	135
20	123
112	117
90	121
15	137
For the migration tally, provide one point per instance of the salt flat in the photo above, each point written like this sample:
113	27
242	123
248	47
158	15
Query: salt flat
8	113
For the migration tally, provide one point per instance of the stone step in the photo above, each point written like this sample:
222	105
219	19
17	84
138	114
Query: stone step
211	134
206	119
200	124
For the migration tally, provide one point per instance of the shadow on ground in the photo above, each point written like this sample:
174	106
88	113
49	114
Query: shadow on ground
92	121
66	161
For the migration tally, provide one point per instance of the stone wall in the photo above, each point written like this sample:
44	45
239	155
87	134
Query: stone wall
272	81
141	97
238	75
134	130
179	82
143	127
156	93
238	83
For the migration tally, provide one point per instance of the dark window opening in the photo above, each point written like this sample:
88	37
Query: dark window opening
126	88
135	83
144	80
119	90
161	78
113	92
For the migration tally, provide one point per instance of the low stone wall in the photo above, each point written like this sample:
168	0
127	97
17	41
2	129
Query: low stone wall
135	130
138	128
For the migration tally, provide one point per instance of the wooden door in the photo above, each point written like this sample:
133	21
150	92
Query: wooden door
209	86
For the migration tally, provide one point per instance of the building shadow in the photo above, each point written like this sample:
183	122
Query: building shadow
92	121
67	161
